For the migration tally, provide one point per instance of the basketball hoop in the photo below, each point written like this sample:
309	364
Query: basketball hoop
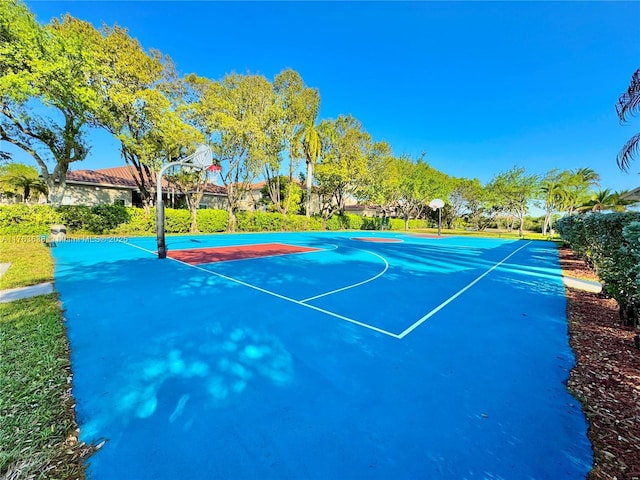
214	168
201	159
437	204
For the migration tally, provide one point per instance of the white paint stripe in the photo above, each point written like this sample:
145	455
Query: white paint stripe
386	267
277	295
456	295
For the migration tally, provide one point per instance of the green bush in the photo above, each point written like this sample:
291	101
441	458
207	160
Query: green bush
177	221
335	223
211	221
300	223
23	219
96	220
76	217
396	224
266	222
371	223
611	244
107	217
139	223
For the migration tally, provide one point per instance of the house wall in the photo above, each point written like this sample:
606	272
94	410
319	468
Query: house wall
218	202
91	196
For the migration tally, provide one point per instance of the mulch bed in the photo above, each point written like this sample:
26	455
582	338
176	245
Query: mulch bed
606	377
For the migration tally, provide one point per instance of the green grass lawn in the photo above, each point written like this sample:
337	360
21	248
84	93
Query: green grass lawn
31	261
38	431
492	233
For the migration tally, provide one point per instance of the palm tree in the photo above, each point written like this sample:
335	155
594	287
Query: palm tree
628	105
16	178
554	194
605	200
578	184
311	147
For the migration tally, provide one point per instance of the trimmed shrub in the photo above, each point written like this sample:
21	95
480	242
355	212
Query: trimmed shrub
300	223
353	222
371	223
96	220
139	223
177	221
397	224
212	221
23	219
335	223
611	244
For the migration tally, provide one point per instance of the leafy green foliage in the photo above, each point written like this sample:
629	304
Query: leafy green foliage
18	180
628	105
23	219
49	67
418	184
96	220
512	193
611	243
210	221
342	170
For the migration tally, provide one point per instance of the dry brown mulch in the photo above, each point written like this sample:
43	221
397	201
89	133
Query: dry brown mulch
606	378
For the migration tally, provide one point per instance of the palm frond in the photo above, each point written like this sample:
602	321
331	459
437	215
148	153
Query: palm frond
628	152
629	102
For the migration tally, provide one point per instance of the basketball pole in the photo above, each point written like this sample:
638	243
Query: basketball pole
200	159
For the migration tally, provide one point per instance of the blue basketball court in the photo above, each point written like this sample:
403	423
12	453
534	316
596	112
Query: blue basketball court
322	356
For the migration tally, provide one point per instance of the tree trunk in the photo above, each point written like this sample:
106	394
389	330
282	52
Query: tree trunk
406	223
194	220
309	174
232	219
521	227
628	314
547	222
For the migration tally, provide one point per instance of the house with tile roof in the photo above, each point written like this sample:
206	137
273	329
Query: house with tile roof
116	186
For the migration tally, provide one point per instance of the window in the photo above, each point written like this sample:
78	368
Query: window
119	203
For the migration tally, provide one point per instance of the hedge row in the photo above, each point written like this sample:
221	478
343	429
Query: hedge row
611	244
111	219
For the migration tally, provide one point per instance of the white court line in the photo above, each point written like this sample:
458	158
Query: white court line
386	267
277	295
350	320
457	294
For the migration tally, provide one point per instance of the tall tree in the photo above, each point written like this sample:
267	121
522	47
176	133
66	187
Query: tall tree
419	183
142	98
47	100
342	170
514	190
462	199
554	190
577	186
628	105
297	106
381	185
238	115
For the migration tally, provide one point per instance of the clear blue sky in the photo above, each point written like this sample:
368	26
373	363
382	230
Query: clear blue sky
479	87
